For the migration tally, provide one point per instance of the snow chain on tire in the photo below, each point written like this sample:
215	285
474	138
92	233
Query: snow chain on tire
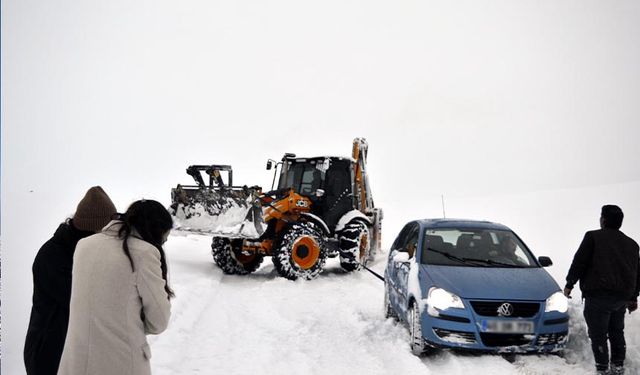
227	256
355	245
301	252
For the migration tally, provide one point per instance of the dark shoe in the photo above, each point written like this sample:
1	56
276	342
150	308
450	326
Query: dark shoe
602	369
616	370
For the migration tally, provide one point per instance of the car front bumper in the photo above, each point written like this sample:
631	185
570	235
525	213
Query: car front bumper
466	329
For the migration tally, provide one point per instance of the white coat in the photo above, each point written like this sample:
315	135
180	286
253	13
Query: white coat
112	308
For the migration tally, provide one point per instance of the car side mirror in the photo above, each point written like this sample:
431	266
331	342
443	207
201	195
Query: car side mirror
269	165
545	261
401	257
319	193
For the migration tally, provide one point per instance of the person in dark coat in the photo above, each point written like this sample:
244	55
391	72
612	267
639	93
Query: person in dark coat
52	283
607	264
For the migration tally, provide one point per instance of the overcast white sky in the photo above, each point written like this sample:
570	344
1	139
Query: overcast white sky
457	96
454	97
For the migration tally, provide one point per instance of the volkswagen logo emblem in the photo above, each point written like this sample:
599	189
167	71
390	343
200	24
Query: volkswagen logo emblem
506	309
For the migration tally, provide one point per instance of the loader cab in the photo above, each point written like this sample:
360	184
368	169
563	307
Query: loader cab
327	181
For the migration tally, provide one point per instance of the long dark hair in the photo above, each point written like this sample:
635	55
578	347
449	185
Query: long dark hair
151	221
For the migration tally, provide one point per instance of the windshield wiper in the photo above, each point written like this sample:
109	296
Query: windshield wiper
495	263
481	261
450	256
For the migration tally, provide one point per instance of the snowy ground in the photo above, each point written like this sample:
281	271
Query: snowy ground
264	324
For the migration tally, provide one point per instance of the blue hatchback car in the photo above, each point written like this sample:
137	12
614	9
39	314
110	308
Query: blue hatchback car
473	285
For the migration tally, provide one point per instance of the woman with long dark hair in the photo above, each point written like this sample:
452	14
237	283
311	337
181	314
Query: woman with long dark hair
119	294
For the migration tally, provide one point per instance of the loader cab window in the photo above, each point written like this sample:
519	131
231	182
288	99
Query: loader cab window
338	197
311	181
304	177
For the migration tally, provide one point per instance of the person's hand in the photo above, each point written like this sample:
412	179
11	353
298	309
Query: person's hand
632	306
567	292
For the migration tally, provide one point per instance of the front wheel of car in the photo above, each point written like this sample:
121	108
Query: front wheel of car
418	346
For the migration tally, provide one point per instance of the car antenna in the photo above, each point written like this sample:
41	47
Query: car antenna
444	215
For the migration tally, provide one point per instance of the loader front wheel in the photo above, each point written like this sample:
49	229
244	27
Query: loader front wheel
300	253
354	246
228	256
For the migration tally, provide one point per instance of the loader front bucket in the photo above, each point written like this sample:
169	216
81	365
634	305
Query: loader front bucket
223	212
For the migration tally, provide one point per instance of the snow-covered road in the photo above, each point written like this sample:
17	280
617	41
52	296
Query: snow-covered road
264	324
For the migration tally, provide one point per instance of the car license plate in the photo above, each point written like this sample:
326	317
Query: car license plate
507	326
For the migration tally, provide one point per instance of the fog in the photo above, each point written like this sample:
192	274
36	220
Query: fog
476	101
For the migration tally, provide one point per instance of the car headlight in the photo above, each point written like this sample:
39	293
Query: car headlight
441	299
557	302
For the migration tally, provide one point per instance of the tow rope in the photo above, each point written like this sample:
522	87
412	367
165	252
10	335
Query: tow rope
374	273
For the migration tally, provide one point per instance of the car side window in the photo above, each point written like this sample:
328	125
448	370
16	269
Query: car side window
412	242
399	244
407	242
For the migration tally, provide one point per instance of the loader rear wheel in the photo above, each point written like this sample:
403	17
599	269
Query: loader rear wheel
228	256
355	245
300	253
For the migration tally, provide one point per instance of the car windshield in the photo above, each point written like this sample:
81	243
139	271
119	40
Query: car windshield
474	248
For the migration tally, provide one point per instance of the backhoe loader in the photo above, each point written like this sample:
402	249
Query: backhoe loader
322	207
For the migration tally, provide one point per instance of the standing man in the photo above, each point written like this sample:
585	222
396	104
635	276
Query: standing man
52	283
607	266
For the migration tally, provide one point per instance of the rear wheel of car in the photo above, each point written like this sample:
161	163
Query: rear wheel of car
416	341
388	310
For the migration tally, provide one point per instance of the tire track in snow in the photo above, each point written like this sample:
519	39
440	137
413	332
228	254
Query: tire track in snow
195	282
283	326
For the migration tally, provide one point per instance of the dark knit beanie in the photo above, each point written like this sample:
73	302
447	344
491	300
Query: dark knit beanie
94	211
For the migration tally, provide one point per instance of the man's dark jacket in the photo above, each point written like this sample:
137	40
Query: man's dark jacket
607	265
51	295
